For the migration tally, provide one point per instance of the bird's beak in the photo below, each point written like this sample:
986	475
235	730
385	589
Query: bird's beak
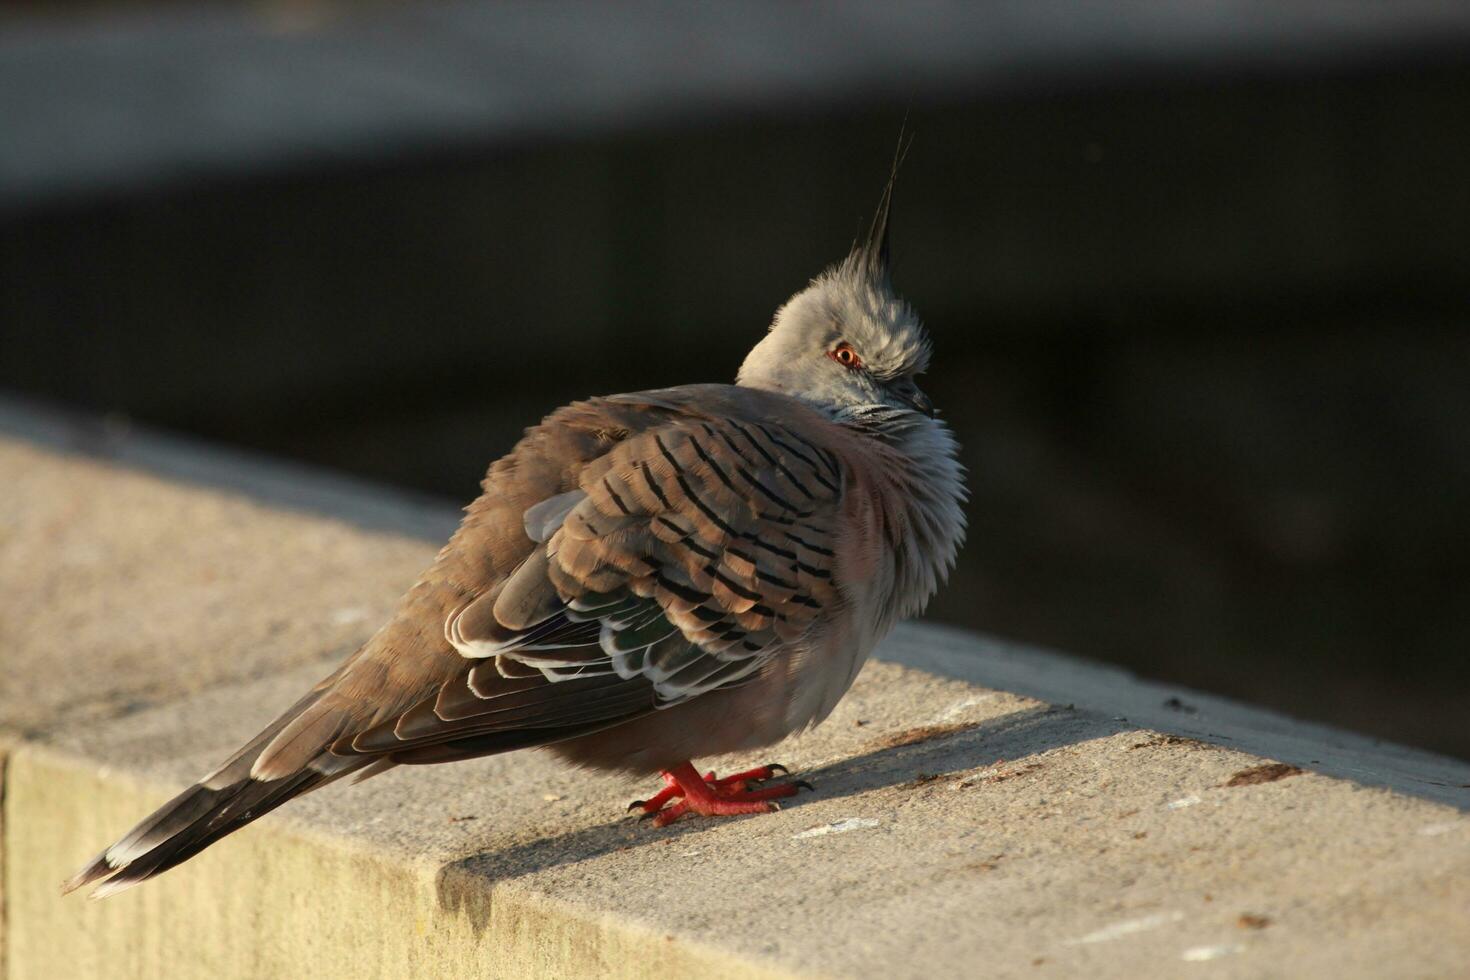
909	393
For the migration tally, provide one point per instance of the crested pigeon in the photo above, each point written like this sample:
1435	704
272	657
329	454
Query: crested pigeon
647	578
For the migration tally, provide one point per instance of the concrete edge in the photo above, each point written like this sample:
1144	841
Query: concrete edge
291	891
377	904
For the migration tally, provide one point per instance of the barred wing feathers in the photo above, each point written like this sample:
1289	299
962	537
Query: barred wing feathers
689	555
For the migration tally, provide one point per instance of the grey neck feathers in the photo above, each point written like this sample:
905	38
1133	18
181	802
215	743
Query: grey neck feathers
931	481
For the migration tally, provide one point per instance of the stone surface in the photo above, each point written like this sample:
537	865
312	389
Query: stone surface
959	824
123	589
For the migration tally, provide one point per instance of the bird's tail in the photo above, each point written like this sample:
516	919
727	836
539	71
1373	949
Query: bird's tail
219	804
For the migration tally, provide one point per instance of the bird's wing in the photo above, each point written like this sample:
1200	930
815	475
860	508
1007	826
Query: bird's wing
687	556
685	559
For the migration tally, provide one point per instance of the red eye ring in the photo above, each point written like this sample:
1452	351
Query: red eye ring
844	354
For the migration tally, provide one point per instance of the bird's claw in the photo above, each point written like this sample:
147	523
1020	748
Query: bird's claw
688	791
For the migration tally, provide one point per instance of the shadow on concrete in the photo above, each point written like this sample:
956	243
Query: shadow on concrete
898	759
1117	693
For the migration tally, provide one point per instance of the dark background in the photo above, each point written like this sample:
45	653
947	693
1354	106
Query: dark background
1199	292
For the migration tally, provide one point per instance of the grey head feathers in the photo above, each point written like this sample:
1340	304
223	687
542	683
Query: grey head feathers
847	341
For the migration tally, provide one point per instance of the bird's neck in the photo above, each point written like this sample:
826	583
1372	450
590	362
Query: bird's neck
928	482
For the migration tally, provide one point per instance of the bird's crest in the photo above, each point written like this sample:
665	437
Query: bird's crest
870	256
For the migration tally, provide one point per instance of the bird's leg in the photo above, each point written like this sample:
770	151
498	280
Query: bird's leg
655	802
712	797
757	774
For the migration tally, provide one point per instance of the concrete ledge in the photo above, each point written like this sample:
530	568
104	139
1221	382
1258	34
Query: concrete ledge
979	807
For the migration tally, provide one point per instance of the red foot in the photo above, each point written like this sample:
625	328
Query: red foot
711	797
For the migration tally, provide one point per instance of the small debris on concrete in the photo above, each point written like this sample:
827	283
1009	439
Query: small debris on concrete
987	865
837	827
1268	773
1126	928
960	707
1174	704
997	775
1180	804
914	736
462	819
552	797
1201	954
1250	921
1154	741
1001	777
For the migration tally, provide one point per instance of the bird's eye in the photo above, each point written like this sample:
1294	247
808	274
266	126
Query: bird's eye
844	354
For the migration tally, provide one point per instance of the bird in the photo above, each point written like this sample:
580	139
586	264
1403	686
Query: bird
646	579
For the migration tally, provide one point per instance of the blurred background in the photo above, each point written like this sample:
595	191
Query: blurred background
1197	275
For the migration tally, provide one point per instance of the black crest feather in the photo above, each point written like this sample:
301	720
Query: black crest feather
872	256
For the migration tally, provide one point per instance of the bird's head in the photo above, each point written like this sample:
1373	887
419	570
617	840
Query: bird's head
847	343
